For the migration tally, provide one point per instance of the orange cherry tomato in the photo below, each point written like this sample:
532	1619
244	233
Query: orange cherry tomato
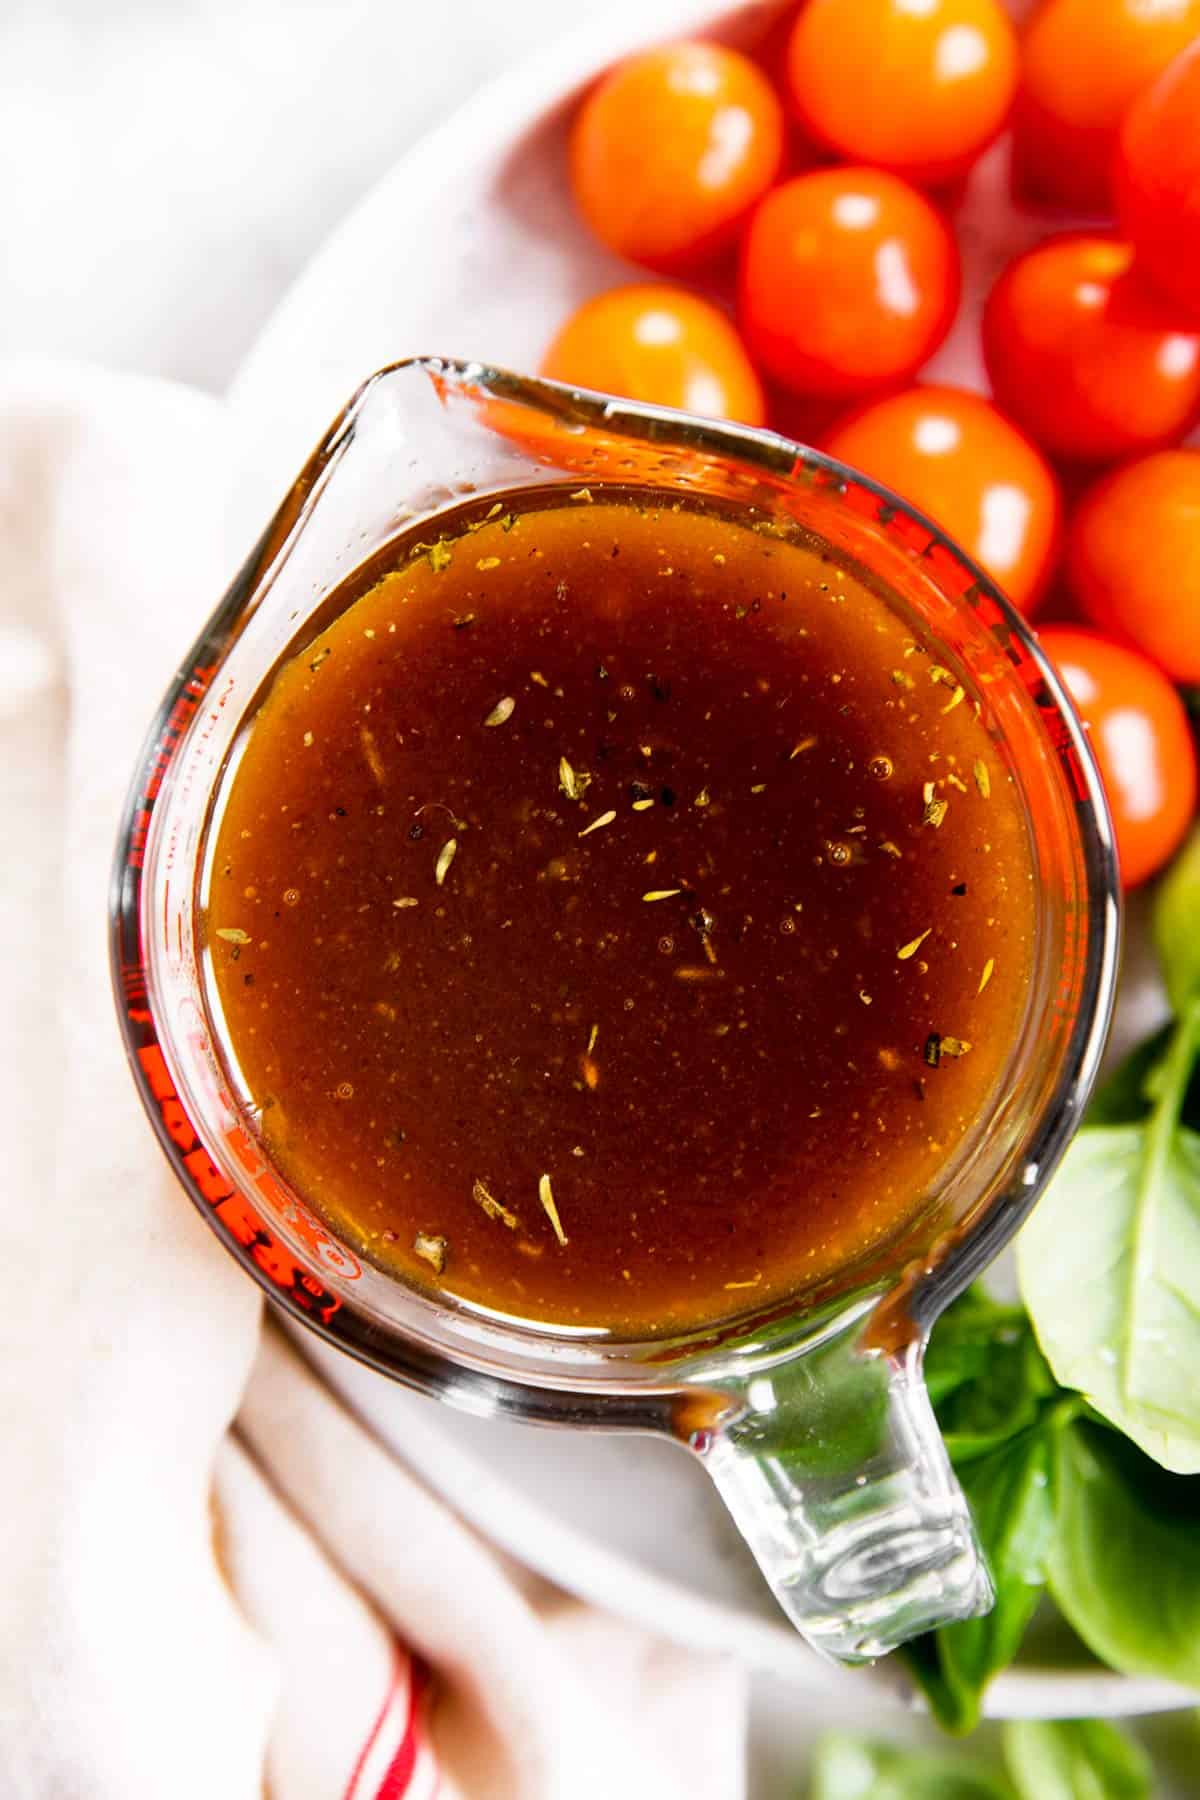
1084	354
1142	741
918	89
958	459
1134	558
849	279
1082	63
661	345
1157	180
672	149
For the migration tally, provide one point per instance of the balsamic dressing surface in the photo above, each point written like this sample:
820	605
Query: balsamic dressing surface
617	913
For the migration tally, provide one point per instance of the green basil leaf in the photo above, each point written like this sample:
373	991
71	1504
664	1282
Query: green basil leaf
1124	1566
1176	925
859	1768
985	1375
923	1661
1011	1497
1109	1266
1006	1400
995	1397
1075	1759
1123	1098
963	1339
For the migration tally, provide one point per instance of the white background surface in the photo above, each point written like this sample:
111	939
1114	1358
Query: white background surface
168	166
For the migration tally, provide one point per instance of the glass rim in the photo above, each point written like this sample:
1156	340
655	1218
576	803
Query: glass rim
626	1390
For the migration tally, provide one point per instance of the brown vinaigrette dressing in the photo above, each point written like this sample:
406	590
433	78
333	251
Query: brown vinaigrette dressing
618	915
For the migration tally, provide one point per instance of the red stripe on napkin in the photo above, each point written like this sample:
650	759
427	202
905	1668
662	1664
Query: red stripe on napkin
397	1760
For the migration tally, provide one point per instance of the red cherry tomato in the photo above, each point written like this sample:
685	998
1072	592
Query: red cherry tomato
958	459
1086	356
917	89
1142	741
661	345
1082	63
1134	558
670	151
1157	180
848	281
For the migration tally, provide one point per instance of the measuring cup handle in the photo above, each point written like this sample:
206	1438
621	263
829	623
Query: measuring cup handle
836	1474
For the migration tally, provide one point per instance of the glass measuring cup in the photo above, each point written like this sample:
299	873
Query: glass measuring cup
810	1415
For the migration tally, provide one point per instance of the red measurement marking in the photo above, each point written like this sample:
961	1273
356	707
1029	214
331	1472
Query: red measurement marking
137	837
233	1209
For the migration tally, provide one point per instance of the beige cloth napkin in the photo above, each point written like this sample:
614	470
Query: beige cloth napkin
185	1610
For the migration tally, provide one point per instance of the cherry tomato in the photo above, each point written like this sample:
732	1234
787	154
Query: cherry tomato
1086	355
662	345
1157	180
671	150
1134	558
1142	741
917	89
849	279
954	456
1082	63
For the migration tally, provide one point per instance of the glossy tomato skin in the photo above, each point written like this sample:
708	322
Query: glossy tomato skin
662	345
848	281
1082	64
1157	180
1134	558
1142	741
951	454
1086	356
671	149
920	91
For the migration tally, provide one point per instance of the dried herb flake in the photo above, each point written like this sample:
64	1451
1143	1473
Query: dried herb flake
573	782
911	948
431	1249
546	1196
446	856
439	554
492	1207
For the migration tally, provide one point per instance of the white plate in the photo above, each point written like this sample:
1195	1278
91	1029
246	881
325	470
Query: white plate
470	248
